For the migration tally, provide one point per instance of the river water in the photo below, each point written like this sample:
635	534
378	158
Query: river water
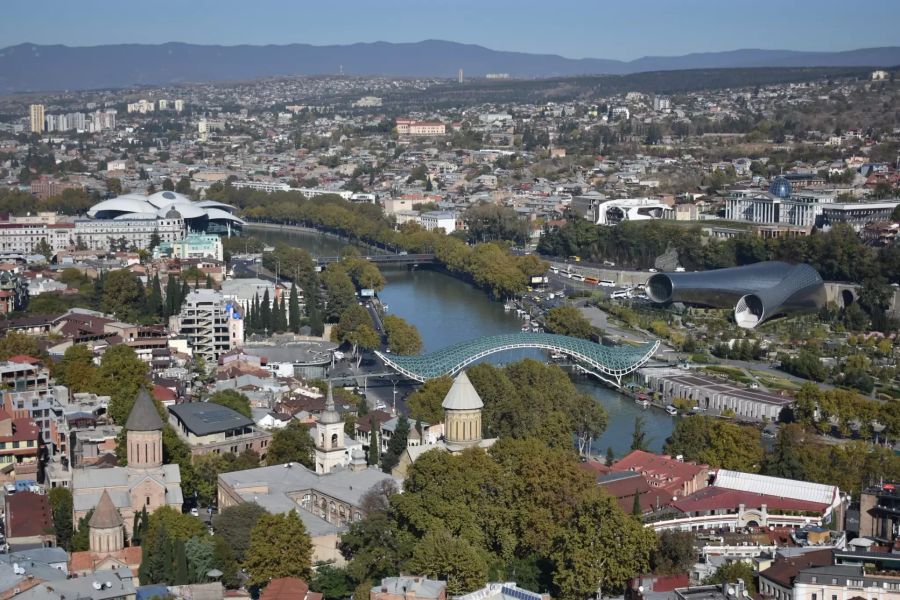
447	310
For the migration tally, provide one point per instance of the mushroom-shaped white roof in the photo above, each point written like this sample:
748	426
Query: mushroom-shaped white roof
216	204
216	214
160	199
122	204
135	215
462	395
187	210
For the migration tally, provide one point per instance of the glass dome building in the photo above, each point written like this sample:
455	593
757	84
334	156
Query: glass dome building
780	187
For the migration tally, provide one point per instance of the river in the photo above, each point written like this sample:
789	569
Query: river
447	310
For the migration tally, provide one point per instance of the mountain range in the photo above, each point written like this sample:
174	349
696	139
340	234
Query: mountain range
31	67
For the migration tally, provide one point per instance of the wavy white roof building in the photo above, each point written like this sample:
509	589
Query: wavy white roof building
207	215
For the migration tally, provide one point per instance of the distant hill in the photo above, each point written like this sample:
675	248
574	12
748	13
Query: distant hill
30	67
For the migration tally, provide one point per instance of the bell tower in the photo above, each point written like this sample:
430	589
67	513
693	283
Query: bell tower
330	448
144	433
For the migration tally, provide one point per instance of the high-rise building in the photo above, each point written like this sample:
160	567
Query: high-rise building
37	118
163	104
460	79
179	105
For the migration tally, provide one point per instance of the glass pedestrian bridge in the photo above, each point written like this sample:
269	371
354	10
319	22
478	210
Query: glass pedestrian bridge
609	363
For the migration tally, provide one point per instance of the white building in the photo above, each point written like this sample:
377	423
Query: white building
179	105
445	220
210	324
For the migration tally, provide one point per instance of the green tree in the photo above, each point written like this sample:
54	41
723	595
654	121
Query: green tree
60	499
675	553
234	525
121	376
76	370
785	460
232	399
294	309
279	547
374	453
332	582
180	575
610	456
114	186
638	435
14	343
123	295
81	538
600	550
355	328
291	443
167	185
200	553
44	248
396	445
425	404
568	320
183	186
732	571
154	297
716	443
157	563
178	526
402	337
441	556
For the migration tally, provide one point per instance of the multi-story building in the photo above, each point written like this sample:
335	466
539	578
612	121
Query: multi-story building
445	220
856	214
410	588
197	245
45	186
879	512
20	441
13	290
36	112
843	582
102	234
17	237
411	127
211	326
210	428
179	105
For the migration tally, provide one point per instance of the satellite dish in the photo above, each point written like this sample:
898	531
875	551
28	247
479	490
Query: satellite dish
641	589
730	590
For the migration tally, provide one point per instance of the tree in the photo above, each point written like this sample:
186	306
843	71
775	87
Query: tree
76	370
396	445
139	526
675	553
332	582
636	510
716	443
180	575
785	459
730	572
200	553
639	436
355	327
157	560
234	525
167	185
81	539
114	186
600	549
123	295
294	309
279	547
44	248
425	403
440	555
374	448
154	298
121	376
402	337
291	443
610	456
568	320
178	526
265	313
232	399
14	343
60	499
183	186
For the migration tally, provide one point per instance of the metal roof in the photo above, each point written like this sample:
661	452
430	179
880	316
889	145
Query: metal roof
777	486
205	418
610	361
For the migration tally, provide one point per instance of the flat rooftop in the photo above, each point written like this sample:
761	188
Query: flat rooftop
204	418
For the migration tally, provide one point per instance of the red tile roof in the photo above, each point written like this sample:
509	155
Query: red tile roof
28	514
163	393
785	568
712	498
25	359
661	471
285	588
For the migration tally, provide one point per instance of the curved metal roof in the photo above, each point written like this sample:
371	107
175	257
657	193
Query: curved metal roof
121	204
217	214
159	205
756	292
611	361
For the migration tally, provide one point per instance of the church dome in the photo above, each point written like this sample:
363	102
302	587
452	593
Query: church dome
462	395
780	187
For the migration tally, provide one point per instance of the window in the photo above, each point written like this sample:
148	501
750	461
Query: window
814	595
148	500
814	579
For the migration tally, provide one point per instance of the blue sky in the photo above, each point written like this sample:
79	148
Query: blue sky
622	29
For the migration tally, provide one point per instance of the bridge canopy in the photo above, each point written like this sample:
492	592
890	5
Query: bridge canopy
609	363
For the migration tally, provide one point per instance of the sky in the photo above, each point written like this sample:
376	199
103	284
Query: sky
621	29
